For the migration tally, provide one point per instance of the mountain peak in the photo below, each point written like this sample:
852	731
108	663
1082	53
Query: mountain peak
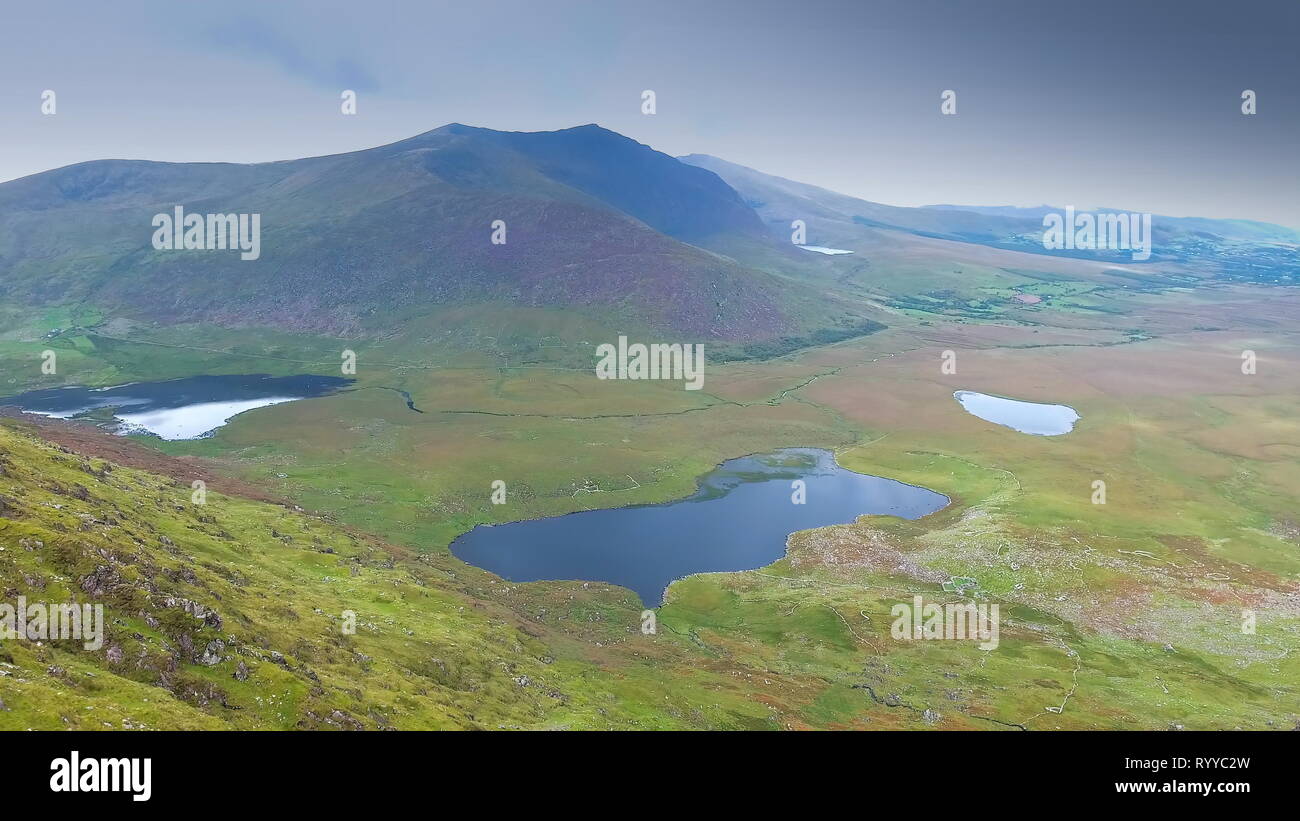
462	128
454	128
594	217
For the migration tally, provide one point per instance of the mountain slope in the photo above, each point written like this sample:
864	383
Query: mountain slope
227	614
1238	249
231	615
779	200
353	242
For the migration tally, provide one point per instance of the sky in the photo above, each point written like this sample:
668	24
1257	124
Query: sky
1127	104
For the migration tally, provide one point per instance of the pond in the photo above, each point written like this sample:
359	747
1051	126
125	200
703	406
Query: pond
1026	417
738	519
822	249
187	408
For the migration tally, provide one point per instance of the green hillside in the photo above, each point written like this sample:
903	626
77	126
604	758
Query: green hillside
230	614
359	243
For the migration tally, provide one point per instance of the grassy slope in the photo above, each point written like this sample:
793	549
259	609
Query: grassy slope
424	654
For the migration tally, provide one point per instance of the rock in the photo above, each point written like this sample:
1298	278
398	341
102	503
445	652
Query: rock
241	671
114	654
338	718
198	611
212	653
101	581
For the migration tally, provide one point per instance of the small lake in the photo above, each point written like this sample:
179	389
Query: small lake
188	408
1026	417
738	520
822	249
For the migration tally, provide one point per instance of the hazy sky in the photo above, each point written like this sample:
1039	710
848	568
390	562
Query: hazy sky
1130	104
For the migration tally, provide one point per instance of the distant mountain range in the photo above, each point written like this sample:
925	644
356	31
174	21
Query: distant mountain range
1240	249
1250	230
356	242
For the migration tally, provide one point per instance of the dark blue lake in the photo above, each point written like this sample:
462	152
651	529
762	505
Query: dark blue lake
177	408
738	520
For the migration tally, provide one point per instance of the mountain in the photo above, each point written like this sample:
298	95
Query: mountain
779	200
353	243
1250	230
1238	249
596	225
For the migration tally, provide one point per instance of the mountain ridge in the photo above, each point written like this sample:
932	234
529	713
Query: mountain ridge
594	220
1198	247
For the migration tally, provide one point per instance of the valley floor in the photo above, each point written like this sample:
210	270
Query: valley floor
1176	604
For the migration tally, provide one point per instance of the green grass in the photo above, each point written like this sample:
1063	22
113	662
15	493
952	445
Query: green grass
1126	615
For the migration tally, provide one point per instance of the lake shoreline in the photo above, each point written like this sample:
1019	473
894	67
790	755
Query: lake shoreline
740	517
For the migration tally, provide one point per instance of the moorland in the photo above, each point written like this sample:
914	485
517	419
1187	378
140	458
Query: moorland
1175	604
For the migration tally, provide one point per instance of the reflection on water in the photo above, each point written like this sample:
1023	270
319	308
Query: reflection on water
177	408
1026	417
